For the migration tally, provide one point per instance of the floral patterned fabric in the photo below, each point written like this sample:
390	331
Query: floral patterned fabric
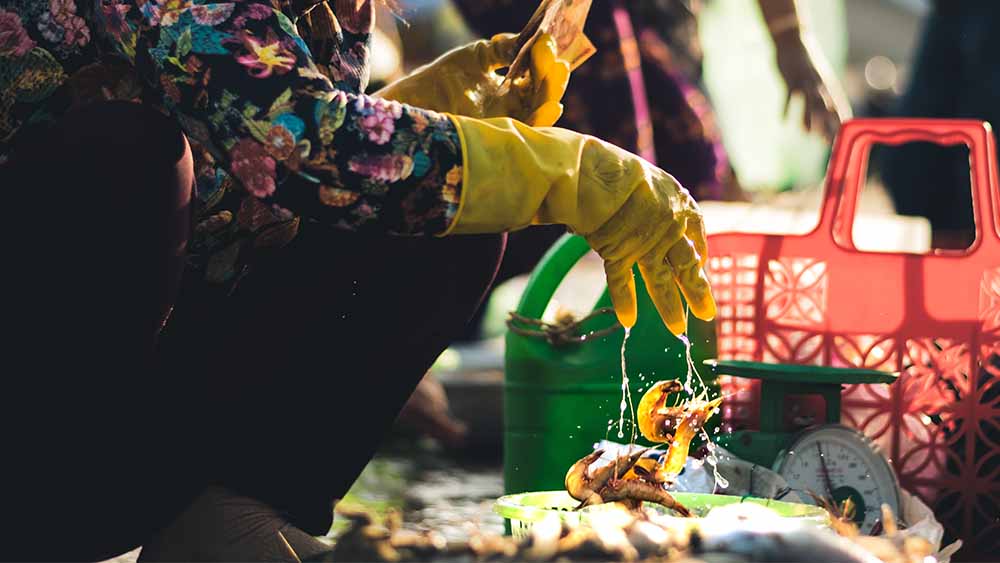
278	136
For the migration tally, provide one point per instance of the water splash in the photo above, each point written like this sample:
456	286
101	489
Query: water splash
626	394
713	460
692	378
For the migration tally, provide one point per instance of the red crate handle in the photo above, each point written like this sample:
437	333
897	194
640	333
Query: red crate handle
846	173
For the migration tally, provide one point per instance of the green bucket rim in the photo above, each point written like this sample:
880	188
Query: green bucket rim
513	507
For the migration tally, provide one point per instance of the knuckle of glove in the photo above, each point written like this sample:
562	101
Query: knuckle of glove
682	256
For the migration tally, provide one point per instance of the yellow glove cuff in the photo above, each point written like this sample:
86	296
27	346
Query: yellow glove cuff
515	175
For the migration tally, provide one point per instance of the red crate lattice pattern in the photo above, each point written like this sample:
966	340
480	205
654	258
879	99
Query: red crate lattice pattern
935	319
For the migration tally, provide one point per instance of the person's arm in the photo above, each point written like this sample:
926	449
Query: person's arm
780	15
427	412
240	80
804	69
244	85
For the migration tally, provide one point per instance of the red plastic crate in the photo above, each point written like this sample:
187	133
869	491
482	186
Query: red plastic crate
934	318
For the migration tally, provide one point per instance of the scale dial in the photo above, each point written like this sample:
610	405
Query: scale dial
834	461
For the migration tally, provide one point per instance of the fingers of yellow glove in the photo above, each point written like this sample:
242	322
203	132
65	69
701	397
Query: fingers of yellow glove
501	51
692	279
554	85
543	56
696	234
621	286
662	291
546	115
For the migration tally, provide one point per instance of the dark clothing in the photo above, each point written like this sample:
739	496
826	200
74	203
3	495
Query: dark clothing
322	346
956	75
280	390
94	436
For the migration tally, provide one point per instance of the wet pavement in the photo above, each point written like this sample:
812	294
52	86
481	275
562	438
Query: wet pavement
452	495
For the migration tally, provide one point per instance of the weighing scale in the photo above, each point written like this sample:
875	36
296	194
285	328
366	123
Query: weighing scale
826	458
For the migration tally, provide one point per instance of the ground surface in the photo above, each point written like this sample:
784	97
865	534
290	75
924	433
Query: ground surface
432	489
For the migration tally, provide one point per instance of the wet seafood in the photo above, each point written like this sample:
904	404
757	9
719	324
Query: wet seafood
633	478
609	483
676	425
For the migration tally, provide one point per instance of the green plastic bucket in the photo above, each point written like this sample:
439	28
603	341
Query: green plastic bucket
522	511
700	504
558	399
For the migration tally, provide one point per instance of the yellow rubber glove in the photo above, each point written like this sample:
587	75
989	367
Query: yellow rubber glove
629	211
464	82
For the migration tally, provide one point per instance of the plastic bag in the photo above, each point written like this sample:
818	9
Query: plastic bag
742	477
748	479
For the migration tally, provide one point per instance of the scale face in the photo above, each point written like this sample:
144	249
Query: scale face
837	462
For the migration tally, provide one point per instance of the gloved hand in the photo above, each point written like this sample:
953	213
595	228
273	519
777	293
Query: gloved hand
628	210
464	82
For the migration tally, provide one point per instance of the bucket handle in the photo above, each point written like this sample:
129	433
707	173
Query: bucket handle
563	331
547	277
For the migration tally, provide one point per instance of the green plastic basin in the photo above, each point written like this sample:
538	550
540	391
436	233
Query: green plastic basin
525	509
522	511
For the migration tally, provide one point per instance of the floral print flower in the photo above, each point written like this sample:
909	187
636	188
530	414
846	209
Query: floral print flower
258	11
377	118
51	31
171	10
337	197
254	168
252	11
450	194
367	105
211	15
162	12
454	176
419	122
378	127
280	142
292	123
62	10
76	31
14	40
453	179
115	19
150	11
264	58
384	168
74	28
